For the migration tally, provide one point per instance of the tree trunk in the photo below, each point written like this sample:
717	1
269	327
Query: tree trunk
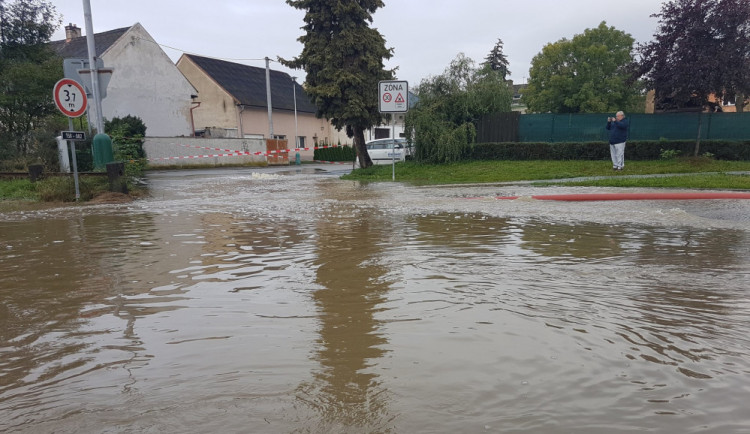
739	102
698	139
359	145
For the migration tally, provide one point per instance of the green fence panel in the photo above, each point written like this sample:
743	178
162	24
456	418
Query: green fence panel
556	128
671	126
729	126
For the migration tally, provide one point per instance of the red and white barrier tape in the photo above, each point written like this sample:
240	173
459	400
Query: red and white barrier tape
236	153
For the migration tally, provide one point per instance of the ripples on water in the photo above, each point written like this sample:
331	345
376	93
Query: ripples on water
236	303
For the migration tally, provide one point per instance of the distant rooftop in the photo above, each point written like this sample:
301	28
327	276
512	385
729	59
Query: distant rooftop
78	48
247	84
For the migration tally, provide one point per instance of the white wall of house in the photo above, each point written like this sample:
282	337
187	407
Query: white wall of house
146	83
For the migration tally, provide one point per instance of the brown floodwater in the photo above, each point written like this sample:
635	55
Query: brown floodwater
289	301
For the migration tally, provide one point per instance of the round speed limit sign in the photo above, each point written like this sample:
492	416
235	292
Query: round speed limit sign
70	98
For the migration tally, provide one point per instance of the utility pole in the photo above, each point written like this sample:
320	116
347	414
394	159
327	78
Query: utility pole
92	64
268	98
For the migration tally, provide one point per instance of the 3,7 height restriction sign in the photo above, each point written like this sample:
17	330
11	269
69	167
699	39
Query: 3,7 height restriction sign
70	98
393	96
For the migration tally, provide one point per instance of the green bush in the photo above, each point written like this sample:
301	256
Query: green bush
127	141
339	153
669	154
635	150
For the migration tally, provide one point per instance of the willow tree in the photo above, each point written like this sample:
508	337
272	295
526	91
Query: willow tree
343	58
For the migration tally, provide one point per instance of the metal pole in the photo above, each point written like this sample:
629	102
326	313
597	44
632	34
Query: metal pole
72	145
268	98
296	134
393	141
92	65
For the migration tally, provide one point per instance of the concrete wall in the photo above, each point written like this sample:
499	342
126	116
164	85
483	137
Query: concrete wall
184	151
145	83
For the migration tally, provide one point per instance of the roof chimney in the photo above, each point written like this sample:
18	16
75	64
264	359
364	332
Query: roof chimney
72	31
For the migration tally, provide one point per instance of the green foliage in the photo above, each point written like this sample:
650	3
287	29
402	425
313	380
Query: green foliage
700	50
669	154
586	74
127	140
442	124
344	61
28	72
339	153
129	126
18	189
497	61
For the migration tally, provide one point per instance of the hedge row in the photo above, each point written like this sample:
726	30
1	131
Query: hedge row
339	153
635	150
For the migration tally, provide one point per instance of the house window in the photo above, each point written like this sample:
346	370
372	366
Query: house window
382	133
279	137
301	140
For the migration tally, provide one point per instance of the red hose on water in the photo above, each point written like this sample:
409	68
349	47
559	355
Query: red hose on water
637	196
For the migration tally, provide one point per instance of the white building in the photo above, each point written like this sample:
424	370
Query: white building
144	83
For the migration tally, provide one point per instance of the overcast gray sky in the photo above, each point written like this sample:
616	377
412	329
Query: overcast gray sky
425	34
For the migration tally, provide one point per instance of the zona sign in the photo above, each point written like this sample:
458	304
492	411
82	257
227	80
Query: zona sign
393	96
70	98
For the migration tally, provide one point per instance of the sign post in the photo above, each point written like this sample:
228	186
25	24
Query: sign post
393	97
70	99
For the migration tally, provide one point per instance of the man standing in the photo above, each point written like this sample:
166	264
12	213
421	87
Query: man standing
618	135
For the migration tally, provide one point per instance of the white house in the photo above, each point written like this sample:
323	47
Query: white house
144	83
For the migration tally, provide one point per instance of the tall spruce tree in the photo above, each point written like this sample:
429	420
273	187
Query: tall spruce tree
344	61
497	60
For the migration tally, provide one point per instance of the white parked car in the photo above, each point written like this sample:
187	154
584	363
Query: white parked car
384	151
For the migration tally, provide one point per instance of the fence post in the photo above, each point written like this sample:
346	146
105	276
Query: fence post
35	172
115	172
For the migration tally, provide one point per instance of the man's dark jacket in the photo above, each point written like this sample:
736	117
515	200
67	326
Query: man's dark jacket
618	131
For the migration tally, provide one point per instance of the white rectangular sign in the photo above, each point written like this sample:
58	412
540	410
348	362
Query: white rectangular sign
393	96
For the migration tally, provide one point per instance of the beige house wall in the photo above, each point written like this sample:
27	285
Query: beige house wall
218	109
314	130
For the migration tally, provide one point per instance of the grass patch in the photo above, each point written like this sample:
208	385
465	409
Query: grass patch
53	188
18	189
512	171
718	181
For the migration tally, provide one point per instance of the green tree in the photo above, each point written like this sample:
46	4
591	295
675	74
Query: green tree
28	72
587	74
497	60
344	61
443	122
699	50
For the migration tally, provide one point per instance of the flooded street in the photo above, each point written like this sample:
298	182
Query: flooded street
287	300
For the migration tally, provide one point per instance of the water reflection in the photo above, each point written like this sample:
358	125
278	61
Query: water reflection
346	393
